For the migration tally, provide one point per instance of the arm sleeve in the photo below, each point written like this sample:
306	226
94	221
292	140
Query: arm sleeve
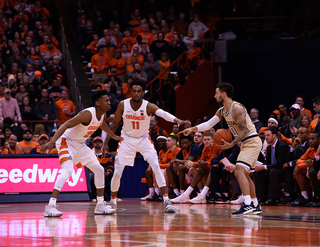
165	115
210	123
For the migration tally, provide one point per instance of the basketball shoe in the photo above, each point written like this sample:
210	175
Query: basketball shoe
103	208
198	199
181	199
245	209
52	211
168	208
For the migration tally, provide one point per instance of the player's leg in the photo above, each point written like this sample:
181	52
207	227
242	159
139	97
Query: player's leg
150	183
115	182
172	178
300	175
202	173
182	177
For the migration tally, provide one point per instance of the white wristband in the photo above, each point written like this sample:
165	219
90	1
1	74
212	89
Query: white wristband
165	115
210	123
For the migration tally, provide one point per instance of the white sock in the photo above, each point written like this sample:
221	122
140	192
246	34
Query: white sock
204	191
218	194
99	199
176	191
182	191
114	200
165	198
255	201
305	194
53	201
226	194
188	191
247	200
151	191
158	191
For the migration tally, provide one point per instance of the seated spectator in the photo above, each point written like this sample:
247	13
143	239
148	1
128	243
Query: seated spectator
125	52
66	108
299	146
112	98
303	166
27	144
27	112
176	49
109	47
58	68
152	69
100	64
254	115
12	85
198	138
131	62
113	81
119	94
128	40
137	74
1	91
315	124
21	94
209	153
13	70
136	53
164	26
269	174
159	46
164	65
40	129
189	40
138	44
314	176
138	29
106	162
34	96
178	165
18	59
126	87
37	65
55	90
9	106
32	56
295	120
50	51
197	26
116	36
28	75
92	48
36	136
169	35
39	82
155	131
144	51
119	63
47	110
43	139
305	121
12	146
300	102
3	149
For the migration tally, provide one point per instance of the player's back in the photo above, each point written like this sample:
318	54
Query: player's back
135	123
80	133
232	122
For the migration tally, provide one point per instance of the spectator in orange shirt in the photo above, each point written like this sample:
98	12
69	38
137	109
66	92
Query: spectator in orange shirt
126	87
209	152
156	131
12	146
39	8
182	25
43	139
164	65
27	144
305	121
50	51
315	124
169	36
3	150
300	102
138	29
66	108
116	37
136	53
128	40
119	63
91	49
113	81
100	64
146	36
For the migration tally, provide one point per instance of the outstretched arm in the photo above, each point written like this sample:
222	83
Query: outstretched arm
206	125
152	108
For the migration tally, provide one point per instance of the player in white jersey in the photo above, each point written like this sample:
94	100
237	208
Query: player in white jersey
136	120
243	130
70	142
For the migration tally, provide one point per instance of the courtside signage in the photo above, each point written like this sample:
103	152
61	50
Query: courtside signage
37	175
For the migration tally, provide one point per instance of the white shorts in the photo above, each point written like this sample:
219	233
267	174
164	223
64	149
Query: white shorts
79	152
128	148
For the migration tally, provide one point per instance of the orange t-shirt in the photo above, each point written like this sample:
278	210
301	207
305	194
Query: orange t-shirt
26	147
129	41
147	38
126	90
168	156
98	61
208	153
62	106
313	125
309	154
164	66
120	64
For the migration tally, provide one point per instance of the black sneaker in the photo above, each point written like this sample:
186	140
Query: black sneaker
257	210
222	199
300	202
245	209
313	202
155	198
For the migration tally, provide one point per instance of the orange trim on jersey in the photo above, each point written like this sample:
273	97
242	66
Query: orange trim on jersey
79	165
63	160
63	152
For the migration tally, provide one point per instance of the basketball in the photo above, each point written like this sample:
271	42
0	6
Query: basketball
222	134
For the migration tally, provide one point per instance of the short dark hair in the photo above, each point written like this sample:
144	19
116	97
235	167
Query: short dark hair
98	95
273	130
100	46
185	137
300	96
174	137
227	88
138	83
316	133
208	134
316	100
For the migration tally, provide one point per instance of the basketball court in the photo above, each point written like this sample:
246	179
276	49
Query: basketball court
139	223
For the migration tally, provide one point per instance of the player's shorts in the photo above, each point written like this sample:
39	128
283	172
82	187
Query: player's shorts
249	152
80	153
128	148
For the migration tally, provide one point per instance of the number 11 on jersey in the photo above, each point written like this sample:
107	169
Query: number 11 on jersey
135	125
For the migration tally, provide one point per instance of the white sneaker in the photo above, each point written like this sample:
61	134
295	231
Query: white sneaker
168	208
119	199
145	198
238	201
181	199
199	199
113	204
102	208
52	211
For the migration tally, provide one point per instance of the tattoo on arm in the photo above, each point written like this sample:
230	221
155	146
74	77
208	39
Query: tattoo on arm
239	114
